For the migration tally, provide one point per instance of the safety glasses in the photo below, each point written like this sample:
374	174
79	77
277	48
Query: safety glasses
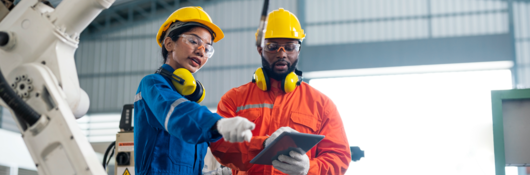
288	48
196	42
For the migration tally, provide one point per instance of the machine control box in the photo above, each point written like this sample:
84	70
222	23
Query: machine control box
125	143
124	153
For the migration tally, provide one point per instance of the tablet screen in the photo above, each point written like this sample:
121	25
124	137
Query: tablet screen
285	143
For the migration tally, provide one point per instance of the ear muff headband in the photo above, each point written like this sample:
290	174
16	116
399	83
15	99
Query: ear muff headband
184	83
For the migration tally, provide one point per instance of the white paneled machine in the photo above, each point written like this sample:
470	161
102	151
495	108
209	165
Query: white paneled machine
123	146
39	84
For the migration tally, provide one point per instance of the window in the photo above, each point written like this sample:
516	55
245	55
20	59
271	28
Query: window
416	124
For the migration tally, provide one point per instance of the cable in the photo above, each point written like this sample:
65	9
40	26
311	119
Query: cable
16	103
111	146
110	157
262	24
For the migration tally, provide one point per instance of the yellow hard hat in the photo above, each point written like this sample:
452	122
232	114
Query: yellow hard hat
283	24
190	14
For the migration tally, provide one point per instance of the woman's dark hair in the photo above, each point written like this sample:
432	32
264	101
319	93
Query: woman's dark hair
174	35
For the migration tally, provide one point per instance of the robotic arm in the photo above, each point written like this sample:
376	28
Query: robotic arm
39	84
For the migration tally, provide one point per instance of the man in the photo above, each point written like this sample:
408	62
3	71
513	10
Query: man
277	102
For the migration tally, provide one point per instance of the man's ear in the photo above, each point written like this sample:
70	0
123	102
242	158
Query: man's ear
168	44
300	42
260	50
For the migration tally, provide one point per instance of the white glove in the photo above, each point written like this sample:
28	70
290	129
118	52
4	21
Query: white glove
277	133
235	129
219	171
295	164
226	171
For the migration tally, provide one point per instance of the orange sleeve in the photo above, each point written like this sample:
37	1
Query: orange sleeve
333	152
237	156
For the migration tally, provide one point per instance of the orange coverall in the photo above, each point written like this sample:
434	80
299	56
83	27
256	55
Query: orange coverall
305	110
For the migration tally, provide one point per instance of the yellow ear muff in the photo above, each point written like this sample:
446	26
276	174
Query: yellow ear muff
290	82
183	81
261	79
198	94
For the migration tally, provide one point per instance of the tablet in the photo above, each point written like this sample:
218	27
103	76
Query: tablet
285	143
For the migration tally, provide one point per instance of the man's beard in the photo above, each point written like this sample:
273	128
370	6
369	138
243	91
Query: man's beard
270	72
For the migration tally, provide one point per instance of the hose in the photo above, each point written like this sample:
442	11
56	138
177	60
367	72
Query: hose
19	106
111	146
262	24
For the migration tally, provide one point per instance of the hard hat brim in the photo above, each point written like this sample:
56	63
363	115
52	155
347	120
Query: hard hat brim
286	37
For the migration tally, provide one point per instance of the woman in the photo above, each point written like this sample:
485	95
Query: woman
171	130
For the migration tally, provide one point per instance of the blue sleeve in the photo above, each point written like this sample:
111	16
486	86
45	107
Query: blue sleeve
181	118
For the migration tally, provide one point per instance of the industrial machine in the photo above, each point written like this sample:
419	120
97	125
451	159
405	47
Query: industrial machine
124	153
39	83
124	145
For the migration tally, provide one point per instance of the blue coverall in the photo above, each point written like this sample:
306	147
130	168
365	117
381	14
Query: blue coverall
171	134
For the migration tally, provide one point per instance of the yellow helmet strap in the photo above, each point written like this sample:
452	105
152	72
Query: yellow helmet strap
198	92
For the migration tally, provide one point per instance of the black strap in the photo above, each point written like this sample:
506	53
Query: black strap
298	72
300	78
163	72
170	75
195	96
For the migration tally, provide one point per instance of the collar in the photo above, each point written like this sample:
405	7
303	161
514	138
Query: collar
275	84
168	67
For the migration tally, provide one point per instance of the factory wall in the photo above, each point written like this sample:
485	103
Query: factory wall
341	34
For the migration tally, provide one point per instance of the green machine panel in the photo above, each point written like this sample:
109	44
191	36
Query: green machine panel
511	128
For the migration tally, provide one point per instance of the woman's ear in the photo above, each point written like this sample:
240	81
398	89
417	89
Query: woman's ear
168	44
